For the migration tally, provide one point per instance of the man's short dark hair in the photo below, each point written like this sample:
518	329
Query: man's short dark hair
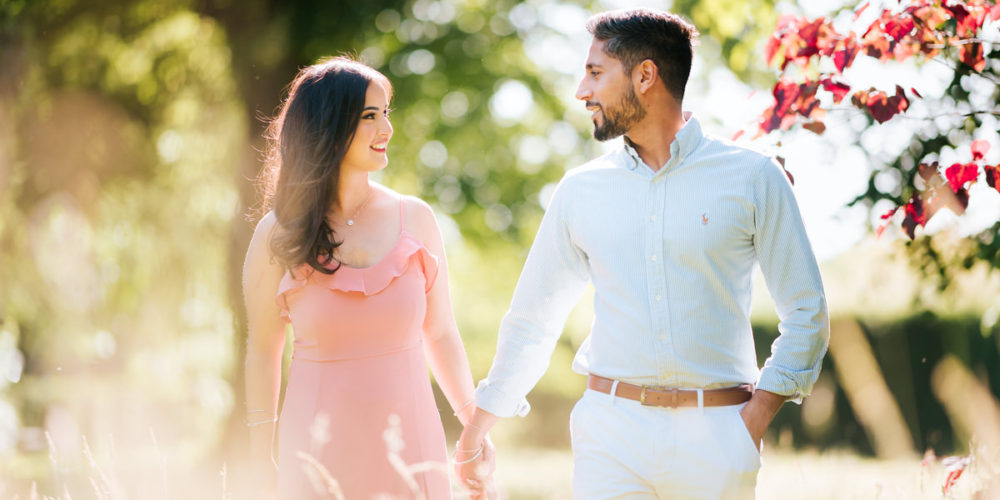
634	35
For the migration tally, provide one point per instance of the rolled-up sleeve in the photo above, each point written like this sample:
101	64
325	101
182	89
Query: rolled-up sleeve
793	279
554	277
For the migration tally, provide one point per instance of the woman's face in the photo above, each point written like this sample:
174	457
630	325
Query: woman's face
367	150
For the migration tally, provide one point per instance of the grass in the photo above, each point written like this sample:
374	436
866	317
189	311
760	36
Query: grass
527	474
536	473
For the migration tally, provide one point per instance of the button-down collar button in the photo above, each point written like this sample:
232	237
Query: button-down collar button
658	297
653	258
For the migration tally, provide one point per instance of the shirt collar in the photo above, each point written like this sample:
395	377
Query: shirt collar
686	141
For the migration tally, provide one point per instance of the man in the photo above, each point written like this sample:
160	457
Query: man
668	229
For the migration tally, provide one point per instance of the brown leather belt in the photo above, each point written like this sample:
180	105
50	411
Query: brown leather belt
672	398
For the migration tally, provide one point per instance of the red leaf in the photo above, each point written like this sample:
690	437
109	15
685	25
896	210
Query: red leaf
979	149
791	178
785	93
968	21
877	46
781	161
929	457
817	127
995	12
771	49
916	93
886	216
860	10
993	176
810	35
839	89
955	467
950	481
860	98
915	216
972	55
737	135
928	172
959	174
897	28
962	196
844	57
876	26
880	105
881	229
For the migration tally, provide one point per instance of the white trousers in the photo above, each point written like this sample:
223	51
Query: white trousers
622	449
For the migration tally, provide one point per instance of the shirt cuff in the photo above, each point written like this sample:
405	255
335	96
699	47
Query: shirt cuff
489	398
794	385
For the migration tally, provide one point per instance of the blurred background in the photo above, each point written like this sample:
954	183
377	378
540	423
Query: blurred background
131	135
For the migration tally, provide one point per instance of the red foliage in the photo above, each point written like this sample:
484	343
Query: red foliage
993	176
791	99
951	479
972	55
920	29
959	174
915	216
880	105
839	89
955	466
979	149
886	216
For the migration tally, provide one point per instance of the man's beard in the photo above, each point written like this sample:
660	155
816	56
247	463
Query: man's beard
618	119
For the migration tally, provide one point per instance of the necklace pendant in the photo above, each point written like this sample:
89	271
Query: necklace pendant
350	222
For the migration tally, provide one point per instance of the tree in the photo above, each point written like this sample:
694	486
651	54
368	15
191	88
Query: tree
814	58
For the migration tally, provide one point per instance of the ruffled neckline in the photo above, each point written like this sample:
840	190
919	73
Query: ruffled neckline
367	280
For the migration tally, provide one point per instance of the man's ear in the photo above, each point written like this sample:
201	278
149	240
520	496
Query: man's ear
644	75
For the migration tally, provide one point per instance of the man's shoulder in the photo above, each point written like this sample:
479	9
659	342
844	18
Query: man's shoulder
712	146
597	167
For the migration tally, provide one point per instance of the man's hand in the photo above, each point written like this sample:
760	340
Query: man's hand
474	469
759	412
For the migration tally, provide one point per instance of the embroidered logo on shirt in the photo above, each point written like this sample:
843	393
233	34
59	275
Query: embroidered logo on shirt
704	219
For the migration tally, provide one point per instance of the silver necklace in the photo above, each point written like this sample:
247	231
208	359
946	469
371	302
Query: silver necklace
350	222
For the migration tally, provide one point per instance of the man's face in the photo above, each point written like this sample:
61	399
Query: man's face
608	93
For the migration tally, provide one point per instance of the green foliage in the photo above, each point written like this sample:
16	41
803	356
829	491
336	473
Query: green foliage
739	27
114	192
907	351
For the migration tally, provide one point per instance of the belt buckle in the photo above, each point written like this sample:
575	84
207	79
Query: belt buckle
671	401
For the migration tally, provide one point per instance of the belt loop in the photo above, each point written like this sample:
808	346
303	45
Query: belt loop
701	401
614	391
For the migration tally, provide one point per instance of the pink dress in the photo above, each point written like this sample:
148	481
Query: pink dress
358	364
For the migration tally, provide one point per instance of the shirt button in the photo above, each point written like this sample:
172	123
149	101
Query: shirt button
652	218
663	337
653	258
658	297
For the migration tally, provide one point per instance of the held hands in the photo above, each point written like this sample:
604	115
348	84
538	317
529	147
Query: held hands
475	462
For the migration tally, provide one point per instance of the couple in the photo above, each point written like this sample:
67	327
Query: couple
667	228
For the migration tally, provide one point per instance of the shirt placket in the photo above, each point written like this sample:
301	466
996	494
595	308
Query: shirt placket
656	276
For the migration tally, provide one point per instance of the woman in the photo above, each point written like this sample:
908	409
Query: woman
360	273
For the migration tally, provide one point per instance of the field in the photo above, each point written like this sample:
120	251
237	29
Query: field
545	474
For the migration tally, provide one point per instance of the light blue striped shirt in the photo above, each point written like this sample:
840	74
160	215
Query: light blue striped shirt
670	254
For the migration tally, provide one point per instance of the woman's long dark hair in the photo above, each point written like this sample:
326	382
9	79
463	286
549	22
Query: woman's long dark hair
306	142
